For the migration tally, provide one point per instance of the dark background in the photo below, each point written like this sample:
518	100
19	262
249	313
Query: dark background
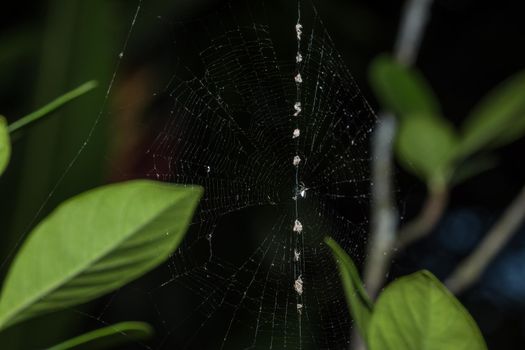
48	47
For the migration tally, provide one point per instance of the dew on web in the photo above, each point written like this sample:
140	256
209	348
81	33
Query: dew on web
270	122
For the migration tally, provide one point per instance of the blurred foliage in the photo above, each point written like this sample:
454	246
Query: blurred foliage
427	144
71	53
414	312
402	90
497	120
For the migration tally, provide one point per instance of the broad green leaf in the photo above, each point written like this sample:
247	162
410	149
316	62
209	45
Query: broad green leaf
94	243
52	106
426	147
498	119
357	299
417	312
5	145
108	337
402	90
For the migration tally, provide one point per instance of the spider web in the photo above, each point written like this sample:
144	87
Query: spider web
246	275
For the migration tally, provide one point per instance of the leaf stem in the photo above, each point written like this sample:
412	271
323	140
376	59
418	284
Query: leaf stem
52	106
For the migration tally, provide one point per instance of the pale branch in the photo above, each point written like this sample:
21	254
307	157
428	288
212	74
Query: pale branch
469	271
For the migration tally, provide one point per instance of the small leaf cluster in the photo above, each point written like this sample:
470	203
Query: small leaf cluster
415	312
428	145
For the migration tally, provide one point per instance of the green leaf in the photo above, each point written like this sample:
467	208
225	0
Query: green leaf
357	299
426	146
5	145
95	243
417	312
498	119
108	337
53	106
402	90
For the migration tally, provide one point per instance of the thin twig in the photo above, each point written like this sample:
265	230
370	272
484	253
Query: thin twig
469	271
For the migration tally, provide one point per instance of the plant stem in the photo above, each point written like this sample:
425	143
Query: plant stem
429	216
468	272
